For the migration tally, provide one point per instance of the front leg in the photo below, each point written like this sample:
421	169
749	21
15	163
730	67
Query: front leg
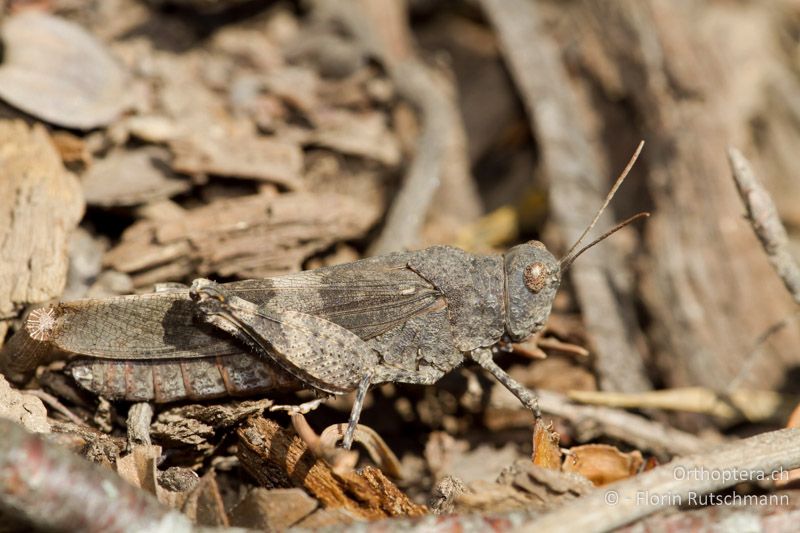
483	356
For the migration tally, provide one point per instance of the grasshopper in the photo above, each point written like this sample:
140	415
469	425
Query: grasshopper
407	317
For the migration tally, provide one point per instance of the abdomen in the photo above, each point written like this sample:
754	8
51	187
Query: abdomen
172	380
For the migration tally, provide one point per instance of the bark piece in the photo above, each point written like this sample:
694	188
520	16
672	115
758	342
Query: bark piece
204	504
193	425
363	134
24	409
279	460
140	415
40	204
257	158
131	177
87	442
54	70
250	237
272	510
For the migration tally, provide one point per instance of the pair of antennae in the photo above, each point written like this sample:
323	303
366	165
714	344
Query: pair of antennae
571	255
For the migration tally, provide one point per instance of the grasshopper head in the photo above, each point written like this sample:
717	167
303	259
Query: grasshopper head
532	279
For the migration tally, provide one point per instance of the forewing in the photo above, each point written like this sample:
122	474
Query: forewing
366	297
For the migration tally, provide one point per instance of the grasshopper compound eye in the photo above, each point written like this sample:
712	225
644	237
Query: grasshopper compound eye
535	276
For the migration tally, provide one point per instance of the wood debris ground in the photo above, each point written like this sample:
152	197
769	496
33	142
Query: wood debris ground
145	142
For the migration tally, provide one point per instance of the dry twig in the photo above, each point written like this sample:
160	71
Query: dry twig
51	487
738	404
640	432
567	159
765	221
140	416
56	404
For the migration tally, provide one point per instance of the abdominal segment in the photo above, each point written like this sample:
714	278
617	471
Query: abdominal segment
172	380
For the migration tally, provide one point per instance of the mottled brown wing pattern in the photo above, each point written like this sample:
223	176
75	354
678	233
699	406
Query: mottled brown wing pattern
358	297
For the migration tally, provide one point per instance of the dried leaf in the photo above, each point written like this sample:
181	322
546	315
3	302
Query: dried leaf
376	447
602	464
54	70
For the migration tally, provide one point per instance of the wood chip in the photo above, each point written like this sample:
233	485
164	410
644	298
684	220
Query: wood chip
250	237
272	510
139	467
364	134
546	452
204	505
276	458
24	409
40	204
244	156
193	425
56	71
132	177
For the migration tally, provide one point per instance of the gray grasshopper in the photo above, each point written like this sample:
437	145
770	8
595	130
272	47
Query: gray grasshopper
407	317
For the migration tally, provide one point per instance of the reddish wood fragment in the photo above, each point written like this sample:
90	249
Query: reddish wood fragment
276	458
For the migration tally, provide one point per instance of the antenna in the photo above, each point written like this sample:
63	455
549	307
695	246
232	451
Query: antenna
566	263
568	257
